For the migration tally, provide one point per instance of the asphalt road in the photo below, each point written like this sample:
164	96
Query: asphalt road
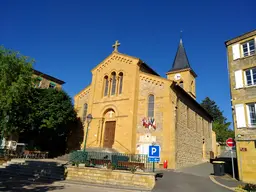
183	182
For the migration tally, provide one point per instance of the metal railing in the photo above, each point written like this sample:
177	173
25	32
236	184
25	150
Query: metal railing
5	153
119	161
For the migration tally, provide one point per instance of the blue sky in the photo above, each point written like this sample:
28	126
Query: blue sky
68	38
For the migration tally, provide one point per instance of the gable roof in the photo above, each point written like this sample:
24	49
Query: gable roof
39	73
141	63
148	69
181	93
240	37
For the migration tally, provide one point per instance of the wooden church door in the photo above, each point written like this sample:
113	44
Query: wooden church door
109	134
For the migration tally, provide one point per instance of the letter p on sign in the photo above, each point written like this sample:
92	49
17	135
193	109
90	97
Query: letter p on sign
154	151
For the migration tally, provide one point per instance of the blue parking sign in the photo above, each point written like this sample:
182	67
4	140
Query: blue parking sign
154	151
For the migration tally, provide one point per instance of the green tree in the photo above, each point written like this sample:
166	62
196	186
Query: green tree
52	109
51	119
15	91
212	108
220	124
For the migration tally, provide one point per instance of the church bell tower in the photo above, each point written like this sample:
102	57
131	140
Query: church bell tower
182	73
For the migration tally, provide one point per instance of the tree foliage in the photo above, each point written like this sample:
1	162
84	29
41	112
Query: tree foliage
213	109
52	118
15	91
220	124
52	109
44	116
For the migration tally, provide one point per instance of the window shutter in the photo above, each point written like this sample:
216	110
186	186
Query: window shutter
240	116
236	51
239	79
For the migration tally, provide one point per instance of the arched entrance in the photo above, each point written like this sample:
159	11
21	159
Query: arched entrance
110	127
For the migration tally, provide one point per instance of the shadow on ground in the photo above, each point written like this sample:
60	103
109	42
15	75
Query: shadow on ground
31	176
13	185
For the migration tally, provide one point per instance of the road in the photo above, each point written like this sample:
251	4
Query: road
172	181
183	182
192	179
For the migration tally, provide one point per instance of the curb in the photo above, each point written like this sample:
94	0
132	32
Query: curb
84	184
216	182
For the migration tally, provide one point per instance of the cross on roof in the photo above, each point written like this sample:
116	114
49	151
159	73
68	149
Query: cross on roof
116	45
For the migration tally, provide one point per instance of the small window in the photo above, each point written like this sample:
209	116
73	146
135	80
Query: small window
250	76
113	89
85	112
52	85
248	48
151	105
251	114
106	86
120	82
38	82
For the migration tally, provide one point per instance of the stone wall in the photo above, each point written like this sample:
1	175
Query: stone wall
191	129
189	141
138	180
160	134
207	138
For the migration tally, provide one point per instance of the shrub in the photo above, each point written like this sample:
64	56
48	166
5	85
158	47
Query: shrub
250	187
77	157
133	169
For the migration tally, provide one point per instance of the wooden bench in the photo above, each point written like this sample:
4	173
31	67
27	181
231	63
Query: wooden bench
131	164
100	161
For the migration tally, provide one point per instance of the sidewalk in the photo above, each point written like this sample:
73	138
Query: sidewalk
226	181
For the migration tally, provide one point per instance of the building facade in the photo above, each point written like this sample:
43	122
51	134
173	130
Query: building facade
45	81
133	106
42	81
242	75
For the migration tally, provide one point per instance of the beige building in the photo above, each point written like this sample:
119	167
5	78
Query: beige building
133	106
45	81
242	74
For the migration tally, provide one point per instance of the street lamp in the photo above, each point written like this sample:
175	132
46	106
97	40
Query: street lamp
89	120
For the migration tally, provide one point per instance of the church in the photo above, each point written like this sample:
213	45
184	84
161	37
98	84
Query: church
134	107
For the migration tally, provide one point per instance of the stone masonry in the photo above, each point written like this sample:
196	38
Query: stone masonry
137	180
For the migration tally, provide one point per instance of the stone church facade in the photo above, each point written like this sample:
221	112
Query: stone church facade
133	106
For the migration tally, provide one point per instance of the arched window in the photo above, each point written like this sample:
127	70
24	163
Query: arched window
85	111
121	75
105	85
113	87
151	105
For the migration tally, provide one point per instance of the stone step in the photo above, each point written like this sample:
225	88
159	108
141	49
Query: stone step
27	174
27	171
34	164
34	167
4	177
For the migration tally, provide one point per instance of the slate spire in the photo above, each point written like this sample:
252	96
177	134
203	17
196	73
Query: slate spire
181	59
